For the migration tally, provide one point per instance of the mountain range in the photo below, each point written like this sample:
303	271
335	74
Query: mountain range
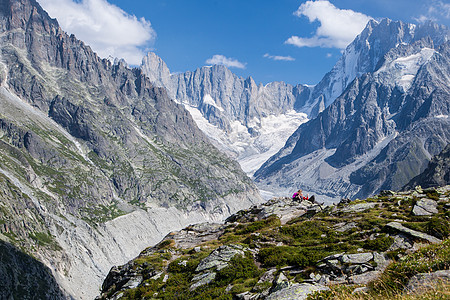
95	161
99	160
245	120
385	126
357	125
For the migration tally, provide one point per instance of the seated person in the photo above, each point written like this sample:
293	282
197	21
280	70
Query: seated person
298	196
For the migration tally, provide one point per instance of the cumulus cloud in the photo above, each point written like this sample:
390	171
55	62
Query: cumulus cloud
278	57
109	30
228	62
338	27
436	10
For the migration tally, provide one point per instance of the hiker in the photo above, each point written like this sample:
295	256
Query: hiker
298	196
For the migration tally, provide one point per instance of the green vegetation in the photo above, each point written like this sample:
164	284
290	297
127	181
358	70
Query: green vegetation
392	282
44	239
299	245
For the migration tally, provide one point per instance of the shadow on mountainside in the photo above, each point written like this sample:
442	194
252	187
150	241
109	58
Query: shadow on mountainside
24	277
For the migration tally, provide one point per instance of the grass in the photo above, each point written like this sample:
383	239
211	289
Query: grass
301	244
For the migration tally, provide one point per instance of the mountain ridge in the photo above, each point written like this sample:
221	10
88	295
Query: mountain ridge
96	162
349	147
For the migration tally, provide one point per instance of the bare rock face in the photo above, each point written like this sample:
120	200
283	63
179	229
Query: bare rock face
436	174
96	163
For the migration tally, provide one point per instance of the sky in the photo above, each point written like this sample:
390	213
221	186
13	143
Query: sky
270	40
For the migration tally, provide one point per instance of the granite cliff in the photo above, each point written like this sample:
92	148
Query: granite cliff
95	161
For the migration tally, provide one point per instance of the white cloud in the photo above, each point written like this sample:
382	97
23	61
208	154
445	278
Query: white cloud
109	30
436	11
278	57
338	27
228	62
329	55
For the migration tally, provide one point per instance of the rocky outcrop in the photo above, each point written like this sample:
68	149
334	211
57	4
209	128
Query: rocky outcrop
24	277
384	127
299	291
96	163
424	281
436	174
254	255
413	233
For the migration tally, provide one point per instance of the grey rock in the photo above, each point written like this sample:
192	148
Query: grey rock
282	282
298	291
202	279
380	261
246	296
413	233
423	281
358	258
364	278
219	258
133	282
342	227
268	276
425	207
401	241
359	207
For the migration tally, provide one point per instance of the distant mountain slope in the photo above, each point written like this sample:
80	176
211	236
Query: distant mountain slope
366	53
96	162
250	122
382	130
436	174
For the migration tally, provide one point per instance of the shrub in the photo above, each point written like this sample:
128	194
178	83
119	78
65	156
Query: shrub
437	227
379	244
240	267
286	255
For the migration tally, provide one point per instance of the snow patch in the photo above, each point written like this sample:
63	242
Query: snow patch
251	150
403	70
207	99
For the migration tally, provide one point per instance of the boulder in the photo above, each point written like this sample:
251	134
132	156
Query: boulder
298	291
413	233
423	281
358	258
202	279
281	283
364	278
359	207
220	257
342	227
425	207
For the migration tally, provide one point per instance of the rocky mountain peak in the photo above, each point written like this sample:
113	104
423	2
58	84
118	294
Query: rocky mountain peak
84	142
368	139
366	54
237	114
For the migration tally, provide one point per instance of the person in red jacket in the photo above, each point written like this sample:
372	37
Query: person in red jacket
298	196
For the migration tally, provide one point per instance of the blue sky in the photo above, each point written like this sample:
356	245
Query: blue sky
279	40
